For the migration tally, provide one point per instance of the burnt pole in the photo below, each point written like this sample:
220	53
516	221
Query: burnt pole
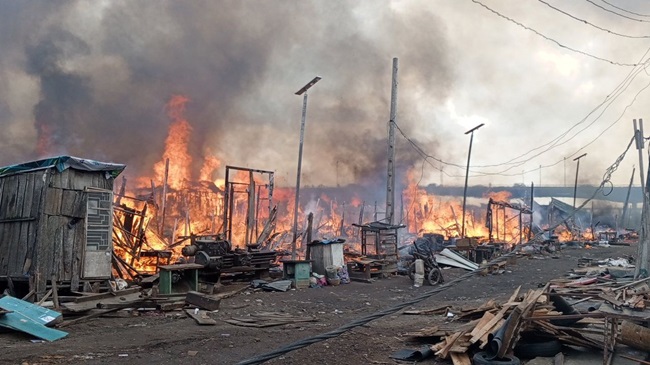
303	92
390	183
469	155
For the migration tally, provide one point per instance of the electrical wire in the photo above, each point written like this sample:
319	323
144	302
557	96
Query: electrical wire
553	40
579	149
613	95
588	23
627	11
615	13
554	143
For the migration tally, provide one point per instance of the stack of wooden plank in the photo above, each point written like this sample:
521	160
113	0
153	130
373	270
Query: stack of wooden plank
549	311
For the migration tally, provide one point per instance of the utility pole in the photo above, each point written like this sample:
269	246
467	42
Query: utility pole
575	187
302	91
642	251
390	184
532	202
469	155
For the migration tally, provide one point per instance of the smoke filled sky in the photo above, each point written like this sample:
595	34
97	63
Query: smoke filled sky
92	78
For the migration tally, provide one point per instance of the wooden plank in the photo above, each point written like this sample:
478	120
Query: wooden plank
56	179
200	300
78	247
73	203
26	227
511	334
443	353
460	358
201	317
67	247
53	201
40	241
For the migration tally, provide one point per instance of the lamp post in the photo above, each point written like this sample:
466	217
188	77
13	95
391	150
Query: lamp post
575	186
302	91
469	155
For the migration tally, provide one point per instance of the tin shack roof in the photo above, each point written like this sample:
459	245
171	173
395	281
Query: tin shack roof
62	163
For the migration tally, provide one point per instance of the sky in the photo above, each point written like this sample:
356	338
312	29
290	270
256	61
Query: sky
550	80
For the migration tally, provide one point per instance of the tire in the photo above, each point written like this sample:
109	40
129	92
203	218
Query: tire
483	358
434	277
531	349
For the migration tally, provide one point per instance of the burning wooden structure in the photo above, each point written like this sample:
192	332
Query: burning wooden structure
492	221
56	223
167	225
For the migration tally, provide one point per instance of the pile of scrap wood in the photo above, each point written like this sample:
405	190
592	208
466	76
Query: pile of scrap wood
553	313
93	305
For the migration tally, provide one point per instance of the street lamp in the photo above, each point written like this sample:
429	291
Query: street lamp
471	138
575	186
302	91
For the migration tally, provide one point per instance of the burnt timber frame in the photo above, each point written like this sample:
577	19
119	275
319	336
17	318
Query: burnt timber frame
253	203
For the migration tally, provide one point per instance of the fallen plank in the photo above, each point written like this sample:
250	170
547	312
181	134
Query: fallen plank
203	301
201	317
443	353
460	358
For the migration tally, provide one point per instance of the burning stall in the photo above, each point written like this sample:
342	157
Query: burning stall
56	223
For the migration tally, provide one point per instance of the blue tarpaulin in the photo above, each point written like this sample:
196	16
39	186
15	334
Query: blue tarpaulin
62	163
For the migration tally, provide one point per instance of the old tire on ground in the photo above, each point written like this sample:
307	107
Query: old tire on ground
434	277
483	358
532	349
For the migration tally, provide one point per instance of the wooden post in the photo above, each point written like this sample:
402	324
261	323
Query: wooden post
163	199
310	221
390	188
532	204
55	292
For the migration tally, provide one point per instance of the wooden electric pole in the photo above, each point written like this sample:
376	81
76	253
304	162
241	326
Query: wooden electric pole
390	184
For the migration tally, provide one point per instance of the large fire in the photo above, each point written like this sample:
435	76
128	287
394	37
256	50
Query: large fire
155	218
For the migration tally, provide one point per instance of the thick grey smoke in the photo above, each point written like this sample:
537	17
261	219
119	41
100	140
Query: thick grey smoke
95	77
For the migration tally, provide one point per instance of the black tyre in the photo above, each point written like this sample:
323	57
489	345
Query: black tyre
531	349
435	276
483	358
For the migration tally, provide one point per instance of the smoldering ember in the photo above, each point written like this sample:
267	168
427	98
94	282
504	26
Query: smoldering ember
466	189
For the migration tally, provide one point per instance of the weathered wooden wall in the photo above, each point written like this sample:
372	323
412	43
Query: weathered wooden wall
42	230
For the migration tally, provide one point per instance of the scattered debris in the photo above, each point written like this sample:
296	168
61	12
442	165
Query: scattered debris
30	318
268	319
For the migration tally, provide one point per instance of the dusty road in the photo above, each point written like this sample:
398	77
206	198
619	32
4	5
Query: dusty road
172	338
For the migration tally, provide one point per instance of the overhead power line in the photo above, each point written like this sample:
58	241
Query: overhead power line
588	23
624	10
553	40
615	13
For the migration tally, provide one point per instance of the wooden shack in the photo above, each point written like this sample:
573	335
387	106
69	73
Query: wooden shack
56	223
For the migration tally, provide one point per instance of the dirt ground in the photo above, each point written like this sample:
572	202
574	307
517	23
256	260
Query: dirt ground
173	338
